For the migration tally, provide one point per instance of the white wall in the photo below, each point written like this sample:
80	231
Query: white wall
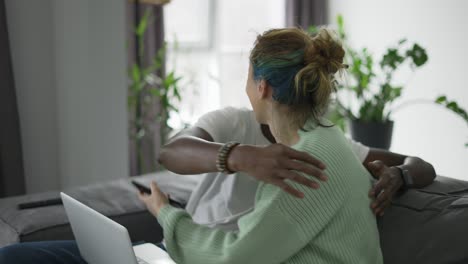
427	131
69	65
91	89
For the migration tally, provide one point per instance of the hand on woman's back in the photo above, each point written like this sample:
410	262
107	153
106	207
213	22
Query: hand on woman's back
275	163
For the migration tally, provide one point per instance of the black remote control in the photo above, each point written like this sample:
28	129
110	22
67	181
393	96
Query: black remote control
43	203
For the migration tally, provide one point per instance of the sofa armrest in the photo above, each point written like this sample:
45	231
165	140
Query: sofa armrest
116	199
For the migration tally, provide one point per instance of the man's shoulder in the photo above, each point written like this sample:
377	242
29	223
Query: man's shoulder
235	110
230	124
234	117
228	112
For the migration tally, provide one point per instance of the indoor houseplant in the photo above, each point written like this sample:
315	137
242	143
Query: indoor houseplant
152	95
366	96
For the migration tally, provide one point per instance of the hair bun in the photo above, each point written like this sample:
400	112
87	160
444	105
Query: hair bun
325	50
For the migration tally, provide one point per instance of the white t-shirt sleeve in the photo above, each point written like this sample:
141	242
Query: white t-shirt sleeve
358	148
222	124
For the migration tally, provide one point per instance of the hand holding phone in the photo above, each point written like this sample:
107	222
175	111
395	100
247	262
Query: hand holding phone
142	188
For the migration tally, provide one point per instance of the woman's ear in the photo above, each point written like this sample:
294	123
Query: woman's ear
264	89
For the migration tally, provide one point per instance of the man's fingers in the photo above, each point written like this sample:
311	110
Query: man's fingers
287	188
378	187
307	169
385	199
305	157
376	166
381	199
294	176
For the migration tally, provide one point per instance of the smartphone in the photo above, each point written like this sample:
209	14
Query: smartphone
142	188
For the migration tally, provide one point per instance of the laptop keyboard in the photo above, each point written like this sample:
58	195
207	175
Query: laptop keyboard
140	261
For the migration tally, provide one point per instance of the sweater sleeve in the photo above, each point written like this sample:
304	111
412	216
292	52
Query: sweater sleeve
279	227
267	238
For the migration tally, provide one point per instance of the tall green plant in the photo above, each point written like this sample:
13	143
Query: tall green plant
147	87
372	86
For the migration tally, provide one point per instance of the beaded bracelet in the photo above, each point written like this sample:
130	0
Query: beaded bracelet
223	154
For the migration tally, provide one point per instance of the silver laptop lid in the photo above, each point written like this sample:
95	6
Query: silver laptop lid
100	240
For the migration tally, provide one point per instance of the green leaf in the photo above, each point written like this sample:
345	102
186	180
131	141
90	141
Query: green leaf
418	55
365	111
176	93
169	80
165	102
340	23
396	92
171	107
313	30
153	67
392	59
143	23
155	92
453	106
339	20
441	99
136	74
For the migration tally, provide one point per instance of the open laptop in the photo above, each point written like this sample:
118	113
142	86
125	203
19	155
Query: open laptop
103	241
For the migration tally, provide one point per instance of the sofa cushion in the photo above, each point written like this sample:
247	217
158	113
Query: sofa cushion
429	225
116	199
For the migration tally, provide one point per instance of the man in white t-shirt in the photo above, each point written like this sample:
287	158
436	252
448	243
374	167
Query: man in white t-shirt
220	199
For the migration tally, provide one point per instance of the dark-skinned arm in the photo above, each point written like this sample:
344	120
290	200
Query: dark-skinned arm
382	165
194	152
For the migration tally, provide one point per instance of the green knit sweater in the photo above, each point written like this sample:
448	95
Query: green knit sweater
333	224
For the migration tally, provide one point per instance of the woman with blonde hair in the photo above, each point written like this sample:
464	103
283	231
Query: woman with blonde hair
290	81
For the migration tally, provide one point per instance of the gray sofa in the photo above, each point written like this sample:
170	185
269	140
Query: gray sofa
116	199
428	225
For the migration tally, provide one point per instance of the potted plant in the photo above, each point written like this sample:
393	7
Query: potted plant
365	100
150	86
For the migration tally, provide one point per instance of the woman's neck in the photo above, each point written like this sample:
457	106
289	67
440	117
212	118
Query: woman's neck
282	128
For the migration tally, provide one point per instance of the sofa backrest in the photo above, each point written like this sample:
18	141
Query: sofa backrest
428	225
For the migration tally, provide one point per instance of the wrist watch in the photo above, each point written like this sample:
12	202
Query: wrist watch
406	177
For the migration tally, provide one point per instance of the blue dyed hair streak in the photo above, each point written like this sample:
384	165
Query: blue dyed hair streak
280	72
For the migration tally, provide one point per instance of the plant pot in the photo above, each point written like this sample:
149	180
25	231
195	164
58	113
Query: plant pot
372	134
